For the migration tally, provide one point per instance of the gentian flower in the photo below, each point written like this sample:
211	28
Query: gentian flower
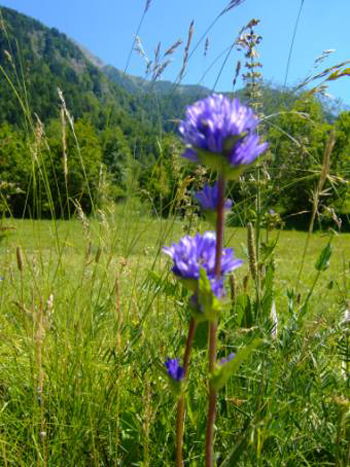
175	371
193	253
221	133
209	198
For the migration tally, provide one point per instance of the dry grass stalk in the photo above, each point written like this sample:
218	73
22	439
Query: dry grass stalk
329	74
160	69
98	254
147	422
157	55
173	47
49	310
118	345
35	267
64	145
233	287
326	161
274	319
19	258
238	69
187	48
323	177
140	50
8	56
83	219
88	252
118	308
316	197
38	138
206	46
39	339
245	283
253	265
232	4
66	112
148	4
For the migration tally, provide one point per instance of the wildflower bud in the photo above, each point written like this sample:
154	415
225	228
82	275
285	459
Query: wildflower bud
175	371
208	199
176	374
253	266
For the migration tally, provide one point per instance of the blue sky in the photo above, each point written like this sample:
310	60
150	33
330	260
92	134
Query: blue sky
107	29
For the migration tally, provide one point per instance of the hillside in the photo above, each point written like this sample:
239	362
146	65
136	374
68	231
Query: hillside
36	60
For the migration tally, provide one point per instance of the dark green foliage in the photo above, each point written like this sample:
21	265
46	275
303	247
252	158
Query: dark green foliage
340	164
298	139
84	162
161	177
15	168
295	163
36	168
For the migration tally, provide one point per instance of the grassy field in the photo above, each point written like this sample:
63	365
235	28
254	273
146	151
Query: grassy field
88	314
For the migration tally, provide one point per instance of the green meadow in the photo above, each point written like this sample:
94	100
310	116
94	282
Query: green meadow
88	314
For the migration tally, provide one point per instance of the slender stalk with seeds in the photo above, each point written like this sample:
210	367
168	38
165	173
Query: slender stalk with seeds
233	287
20	265
39	338
253	248
316	198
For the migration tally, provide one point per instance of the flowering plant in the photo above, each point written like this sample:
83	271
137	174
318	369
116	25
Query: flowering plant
208	200
193	253
222	134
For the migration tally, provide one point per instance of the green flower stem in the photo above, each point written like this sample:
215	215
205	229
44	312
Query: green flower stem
181	401
209	451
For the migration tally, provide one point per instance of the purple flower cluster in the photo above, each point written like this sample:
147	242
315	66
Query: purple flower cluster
193	253
175	371
209	198
224	127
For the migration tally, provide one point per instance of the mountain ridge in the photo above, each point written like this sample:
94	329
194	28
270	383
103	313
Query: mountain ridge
51	60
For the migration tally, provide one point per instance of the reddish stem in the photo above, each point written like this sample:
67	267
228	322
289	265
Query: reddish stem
209	451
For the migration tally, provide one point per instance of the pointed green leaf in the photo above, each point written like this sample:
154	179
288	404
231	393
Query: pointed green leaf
209	305
322	262
222	373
